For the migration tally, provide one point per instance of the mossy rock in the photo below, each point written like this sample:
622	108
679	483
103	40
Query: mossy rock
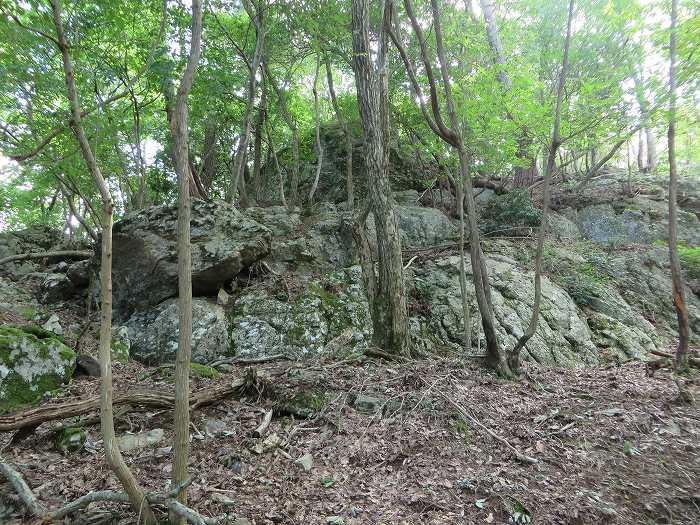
207	372
70	439
33	362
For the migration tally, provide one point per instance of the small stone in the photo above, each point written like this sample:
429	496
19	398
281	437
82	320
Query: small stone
335	520
242	521
53	325
129	442
222	298
368	404
86	366
61	267
232	462
70	439
223	499
306	462
214	427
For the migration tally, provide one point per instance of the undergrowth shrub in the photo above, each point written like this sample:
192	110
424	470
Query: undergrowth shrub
511	213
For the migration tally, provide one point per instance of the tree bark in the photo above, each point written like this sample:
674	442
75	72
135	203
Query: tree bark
112	452
349	183
390	314
495	41
257	155
514	354
273	153
676	277
209	153
184	260
317	124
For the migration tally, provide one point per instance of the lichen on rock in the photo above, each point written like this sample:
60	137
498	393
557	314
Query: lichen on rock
32	363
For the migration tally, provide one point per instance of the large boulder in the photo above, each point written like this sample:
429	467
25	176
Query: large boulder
153	333
638	220
32	363
224	242
316	314
324	240
562	337
38	238
56	287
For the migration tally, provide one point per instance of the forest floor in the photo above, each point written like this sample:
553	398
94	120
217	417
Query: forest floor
611	445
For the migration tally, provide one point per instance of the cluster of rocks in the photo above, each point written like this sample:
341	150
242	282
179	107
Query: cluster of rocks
269	281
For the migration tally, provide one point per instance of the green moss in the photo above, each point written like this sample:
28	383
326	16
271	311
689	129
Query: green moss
199	370
29	383
70	439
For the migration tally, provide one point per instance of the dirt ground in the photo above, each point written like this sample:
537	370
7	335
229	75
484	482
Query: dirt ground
611	445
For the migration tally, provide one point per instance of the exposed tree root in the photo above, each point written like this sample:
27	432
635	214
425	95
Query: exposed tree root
135	402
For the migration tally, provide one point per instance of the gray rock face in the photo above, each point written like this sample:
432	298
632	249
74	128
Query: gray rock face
79	272
32	362
35	239
639	220
154	333
56	287
329	312
224	241
562	336
325	240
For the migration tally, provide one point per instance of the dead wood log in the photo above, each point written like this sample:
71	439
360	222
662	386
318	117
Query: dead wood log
135	401
82	254
692	361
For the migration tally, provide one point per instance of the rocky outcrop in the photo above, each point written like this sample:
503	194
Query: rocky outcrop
32	363
562	337
38	238
224	242
638	220
153	333
315	315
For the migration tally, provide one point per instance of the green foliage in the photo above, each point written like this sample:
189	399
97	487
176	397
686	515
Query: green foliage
690	260
514	210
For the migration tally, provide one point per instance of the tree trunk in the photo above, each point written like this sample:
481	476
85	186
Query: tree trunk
514	354
349	185
208	170
317	123
112	452
390	315
495	41
257	156
640	152
242	152
282	103
273	153
676	277
179	127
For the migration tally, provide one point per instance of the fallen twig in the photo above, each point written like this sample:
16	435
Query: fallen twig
23	491
251	361
258	432
519	455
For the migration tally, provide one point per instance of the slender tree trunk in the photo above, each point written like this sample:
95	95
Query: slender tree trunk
179	127
648	132
242	152
273	153
390	315
349	185
676	277
640	152
317	123
514	354
208	169
140	197
495	41
286	115
257	156
136	494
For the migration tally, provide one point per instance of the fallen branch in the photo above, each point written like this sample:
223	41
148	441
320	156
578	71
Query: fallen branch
258	432
519	455
83	254
136	402
251	361
692	361
25	493
38	510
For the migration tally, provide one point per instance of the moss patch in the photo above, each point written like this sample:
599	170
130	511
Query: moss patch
33	362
